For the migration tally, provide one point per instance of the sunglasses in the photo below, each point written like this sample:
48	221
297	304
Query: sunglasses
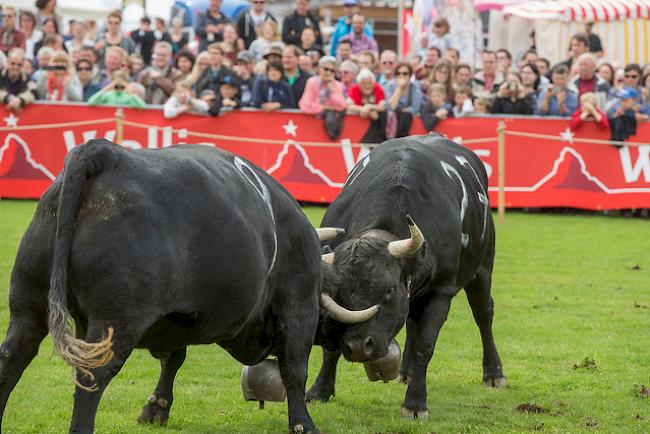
119	87
330	70
84	68
631	76
403	73
15	64
258	2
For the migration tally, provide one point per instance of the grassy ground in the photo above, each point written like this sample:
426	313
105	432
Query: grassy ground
567	289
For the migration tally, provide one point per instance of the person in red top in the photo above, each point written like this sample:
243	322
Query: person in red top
588	110
367	97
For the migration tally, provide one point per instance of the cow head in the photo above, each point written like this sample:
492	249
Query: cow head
371	274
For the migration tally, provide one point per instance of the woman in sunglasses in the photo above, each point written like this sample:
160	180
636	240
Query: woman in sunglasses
323	92
84	73
404	98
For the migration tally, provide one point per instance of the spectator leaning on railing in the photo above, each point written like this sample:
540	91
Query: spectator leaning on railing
271	93
84	71
16	90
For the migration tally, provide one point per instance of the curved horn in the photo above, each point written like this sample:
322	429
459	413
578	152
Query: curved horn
326	234
409	246
328	258
345	316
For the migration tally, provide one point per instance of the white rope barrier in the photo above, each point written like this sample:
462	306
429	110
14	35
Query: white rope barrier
60	125
575	139
248	139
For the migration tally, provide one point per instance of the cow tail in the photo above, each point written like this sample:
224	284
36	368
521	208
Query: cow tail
81	165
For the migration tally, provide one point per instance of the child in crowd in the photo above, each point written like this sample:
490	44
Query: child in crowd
624	114
436	107
228	97
588	110
271	92
481	106
463	102
183	101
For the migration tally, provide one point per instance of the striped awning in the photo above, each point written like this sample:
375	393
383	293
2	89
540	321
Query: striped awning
581	10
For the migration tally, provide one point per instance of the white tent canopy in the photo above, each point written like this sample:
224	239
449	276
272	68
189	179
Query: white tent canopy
623	26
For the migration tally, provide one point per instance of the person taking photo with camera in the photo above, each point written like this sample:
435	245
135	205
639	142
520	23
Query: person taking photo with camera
512	98
117	93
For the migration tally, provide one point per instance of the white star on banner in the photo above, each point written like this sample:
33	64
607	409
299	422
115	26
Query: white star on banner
290	128
11	120
567	135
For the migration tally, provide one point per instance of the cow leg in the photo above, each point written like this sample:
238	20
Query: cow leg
427	327
480	300
24	336
158	405
324	386
86	403
405	369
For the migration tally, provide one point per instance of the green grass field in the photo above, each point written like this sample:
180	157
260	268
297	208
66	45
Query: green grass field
566	288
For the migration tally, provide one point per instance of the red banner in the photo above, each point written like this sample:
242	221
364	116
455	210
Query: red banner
294	148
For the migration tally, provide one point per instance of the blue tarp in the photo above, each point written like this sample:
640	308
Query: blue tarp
231	8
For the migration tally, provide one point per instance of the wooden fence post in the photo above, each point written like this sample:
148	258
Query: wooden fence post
119	126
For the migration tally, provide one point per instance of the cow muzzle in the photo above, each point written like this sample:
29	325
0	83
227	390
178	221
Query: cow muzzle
363	349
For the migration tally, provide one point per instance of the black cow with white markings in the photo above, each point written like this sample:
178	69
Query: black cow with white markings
418	228
161	249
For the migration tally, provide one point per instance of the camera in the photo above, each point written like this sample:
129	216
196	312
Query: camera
512	87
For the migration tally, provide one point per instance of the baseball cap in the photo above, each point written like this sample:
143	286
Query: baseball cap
230	80
244	56
628	92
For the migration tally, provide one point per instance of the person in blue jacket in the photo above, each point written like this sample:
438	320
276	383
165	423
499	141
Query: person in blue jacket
272	92
344	25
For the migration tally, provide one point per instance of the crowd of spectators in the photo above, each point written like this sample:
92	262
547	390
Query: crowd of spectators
258	60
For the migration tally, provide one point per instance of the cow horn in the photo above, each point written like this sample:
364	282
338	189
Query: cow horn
328	258
409	246
326	234
344	315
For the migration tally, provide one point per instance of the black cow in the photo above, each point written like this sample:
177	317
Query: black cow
161	249
443	187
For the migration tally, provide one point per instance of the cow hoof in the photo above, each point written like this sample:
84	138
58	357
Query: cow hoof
155	412
404	379
317	394
300	429
496	382
415	414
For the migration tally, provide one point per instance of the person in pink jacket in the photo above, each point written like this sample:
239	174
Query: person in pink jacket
323	92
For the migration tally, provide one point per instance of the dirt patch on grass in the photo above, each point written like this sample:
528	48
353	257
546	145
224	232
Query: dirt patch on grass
591	423
530	408
586	363
642	391
636	268
640	306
